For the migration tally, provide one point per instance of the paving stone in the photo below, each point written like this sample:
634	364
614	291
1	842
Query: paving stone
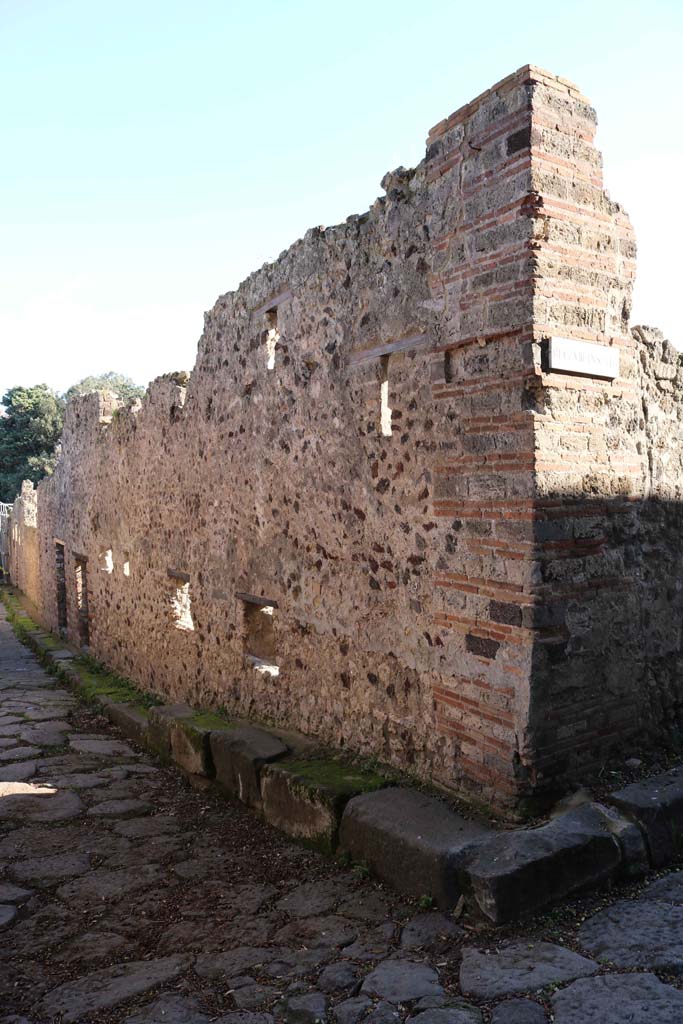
519	1011
409	839
234	961
139	828
77	780
667	890
520	872
251	997
519	967
318	931
657	805
17	772
239	755
306	1009
373	944
18	753
295	963
103	884
313	898
401	981
100	747
109	986
432	931
7	914
351	1010
46	714
46	734
7	741
383	1012
245	1017
120	809
364	906
638	933
13	893
92	946
47	870
338	977
37	803
170	1009
453	1014
617	998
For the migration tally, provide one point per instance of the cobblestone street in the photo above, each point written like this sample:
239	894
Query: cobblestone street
127	895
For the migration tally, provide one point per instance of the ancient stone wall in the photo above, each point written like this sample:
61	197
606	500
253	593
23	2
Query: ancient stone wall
372	513
23	544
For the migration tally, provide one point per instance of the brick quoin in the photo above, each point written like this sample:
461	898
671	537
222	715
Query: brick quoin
469	562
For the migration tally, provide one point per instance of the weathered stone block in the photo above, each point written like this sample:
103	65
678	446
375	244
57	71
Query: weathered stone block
656	804
239	755
161	722
410	840
133	721
518	873
306	799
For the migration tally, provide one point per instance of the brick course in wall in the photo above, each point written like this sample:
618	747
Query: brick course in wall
458	546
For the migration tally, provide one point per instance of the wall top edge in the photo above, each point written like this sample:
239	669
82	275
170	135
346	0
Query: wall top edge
527	73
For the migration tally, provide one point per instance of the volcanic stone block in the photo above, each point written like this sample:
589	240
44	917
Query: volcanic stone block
161	722
656	804
410	840
133	721
306	799
518	873
239	755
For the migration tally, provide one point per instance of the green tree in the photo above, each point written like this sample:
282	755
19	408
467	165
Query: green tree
29	431
122	386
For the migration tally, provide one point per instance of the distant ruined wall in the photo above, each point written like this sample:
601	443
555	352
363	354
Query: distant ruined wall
373	513
24	565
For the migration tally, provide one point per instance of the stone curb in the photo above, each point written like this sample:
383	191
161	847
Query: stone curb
412	841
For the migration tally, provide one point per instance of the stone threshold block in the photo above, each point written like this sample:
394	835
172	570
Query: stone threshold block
518	873
131	719
239	756
306	798
656	805
183	734
410	840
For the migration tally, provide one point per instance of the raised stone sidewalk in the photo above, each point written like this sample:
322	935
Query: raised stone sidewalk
127	895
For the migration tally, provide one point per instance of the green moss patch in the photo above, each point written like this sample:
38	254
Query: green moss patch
338	778
95	682
211	720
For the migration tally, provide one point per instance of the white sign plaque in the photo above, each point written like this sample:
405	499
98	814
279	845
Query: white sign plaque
583	357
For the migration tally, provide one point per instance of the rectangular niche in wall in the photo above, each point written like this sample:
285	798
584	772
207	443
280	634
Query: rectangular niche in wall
106	561
272	338
60	580
181	602
259	633
385	408
82	600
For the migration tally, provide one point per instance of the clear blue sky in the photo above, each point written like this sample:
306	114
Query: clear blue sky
155	153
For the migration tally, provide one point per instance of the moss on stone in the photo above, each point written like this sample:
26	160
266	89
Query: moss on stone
332	776
209	720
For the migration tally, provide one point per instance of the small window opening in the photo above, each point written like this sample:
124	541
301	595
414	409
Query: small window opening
448	367
181	606
272	338
107	561
82	602
259	629
60	577
126	564
385	408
